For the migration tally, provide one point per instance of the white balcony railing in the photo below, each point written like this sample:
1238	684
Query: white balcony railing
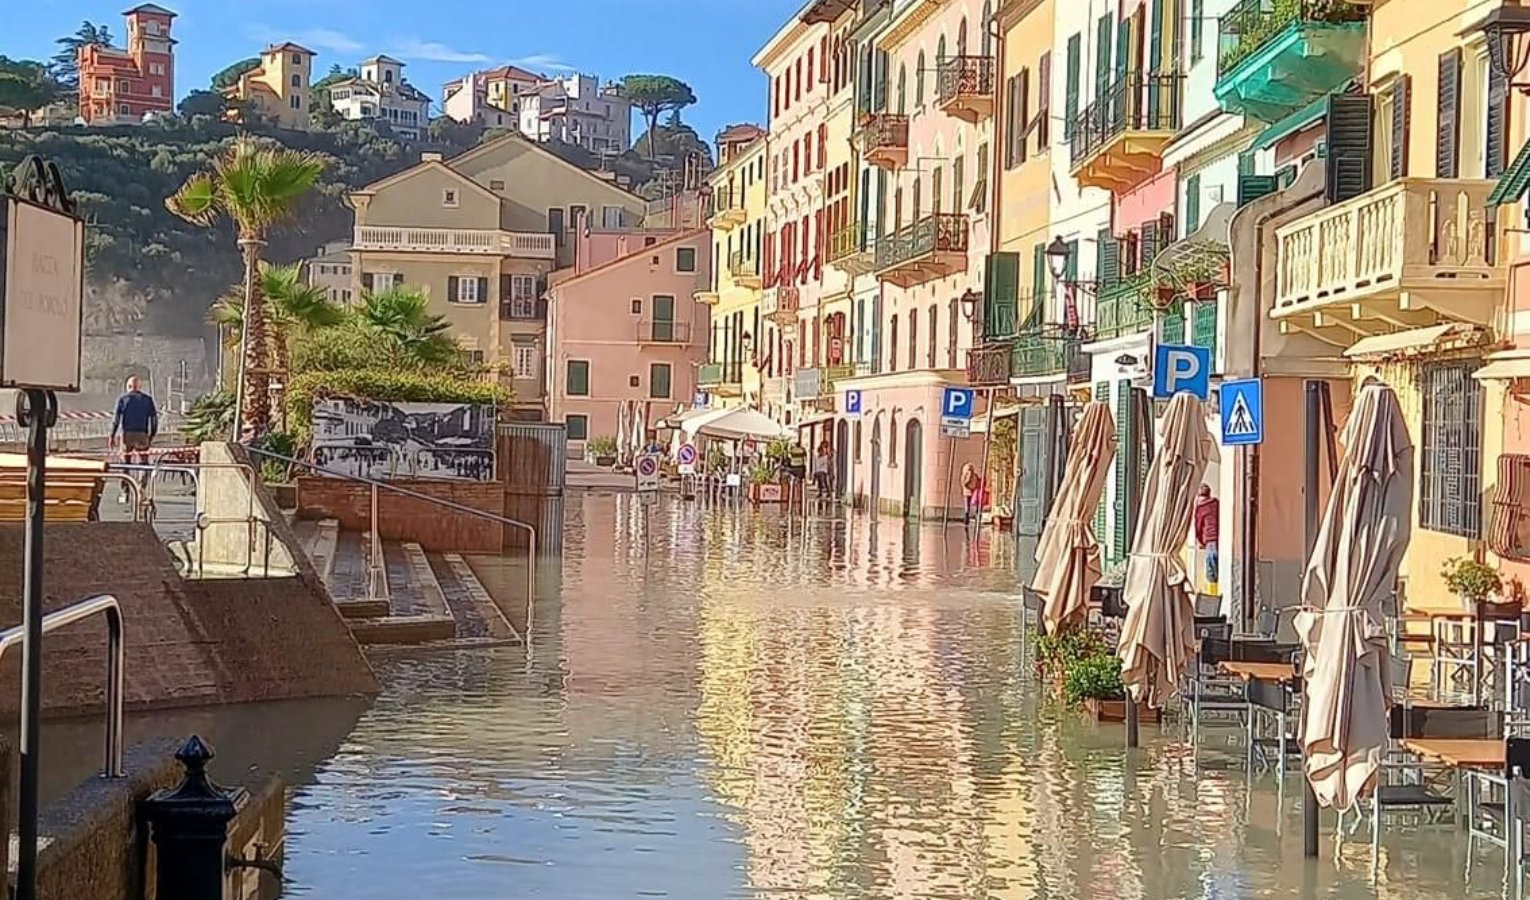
455	240
1412	235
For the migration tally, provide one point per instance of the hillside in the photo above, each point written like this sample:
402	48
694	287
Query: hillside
151	271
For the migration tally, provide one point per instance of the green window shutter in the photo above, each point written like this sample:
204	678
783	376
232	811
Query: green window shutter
1172	325
1102	394
1070	271
1204	329
1155	38
1350	157
1070	103
1108	267
1496	132
1511	187
1123	50
1125	429
1001	292
1039	272
1102	57
1447	138
483	290
1197	29
1285	176
1192	203
1245	163
1150	243
1252	187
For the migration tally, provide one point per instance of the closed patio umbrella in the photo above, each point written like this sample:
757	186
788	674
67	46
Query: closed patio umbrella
1158	636
1068	554
1353	571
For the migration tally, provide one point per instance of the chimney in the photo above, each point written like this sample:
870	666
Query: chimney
430	156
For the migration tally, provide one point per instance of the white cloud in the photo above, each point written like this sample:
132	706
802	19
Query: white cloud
542	62
312	38
434	51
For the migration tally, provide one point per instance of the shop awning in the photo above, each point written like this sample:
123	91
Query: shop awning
1509	365
1514	181
815	419
1412	341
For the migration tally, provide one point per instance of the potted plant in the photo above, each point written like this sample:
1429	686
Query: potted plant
602	450
1094	684
1474	582
762	484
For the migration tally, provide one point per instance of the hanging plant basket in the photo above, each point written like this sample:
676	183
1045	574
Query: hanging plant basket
1203	290
1191	269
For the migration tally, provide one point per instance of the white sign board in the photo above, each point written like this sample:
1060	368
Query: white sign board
42	316
647	473
956	430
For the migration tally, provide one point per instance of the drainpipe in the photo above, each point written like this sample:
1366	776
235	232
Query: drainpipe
978	321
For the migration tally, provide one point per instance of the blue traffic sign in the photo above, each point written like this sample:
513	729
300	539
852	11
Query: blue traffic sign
852	403
956	406
1242	412
1181	369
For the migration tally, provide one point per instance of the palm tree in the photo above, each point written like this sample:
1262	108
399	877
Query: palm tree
293	308
403	314
258	187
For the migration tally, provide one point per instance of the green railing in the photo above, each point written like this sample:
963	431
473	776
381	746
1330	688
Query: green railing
1252	24
1122	311
1035	354
1000	321
935	233
709	374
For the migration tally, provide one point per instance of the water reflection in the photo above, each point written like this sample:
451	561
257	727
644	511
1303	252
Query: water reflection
733	705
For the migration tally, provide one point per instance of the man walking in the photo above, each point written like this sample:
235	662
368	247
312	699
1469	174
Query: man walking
138	421
1207	513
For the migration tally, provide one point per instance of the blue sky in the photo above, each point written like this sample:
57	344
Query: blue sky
707	43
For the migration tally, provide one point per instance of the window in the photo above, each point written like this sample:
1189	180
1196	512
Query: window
953	318
634	381
637	306
577	215
156	68
1197	29
297	80
934	335
294	101
297	59
578	378
388	77
919	81
1450	468
578	427
523	360
518	297
913	339
467	289
158	91
123	87
473	357
449	198
958	183
979	203
124	110
611	217
658	381
685	259
555	224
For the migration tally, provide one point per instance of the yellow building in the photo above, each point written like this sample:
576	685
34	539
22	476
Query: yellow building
278	88
730	377
480	233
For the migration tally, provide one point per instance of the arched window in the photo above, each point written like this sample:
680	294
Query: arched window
961	38
892	440
919	82
902	89
987	24
913	339
940	52
934	339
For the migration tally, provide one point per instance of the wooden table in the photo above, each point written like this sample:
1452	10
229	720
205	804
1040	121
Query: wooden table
1259	671
1460	753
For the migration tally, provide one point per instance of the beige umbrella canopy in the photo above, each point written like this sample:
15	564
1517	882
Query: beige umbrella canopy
1068	555
1158	636
1353	570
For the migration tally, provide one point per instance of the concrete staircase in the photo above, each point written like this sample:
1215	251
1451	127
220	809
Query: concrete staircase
417	598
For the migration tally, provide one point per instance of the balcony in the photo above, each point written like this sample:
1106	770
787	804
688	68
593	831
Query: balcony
851	250
720	378
745	272
454	240
780	304
965	88
884	140
1118	140
1279	56
988	365
1414	252
1038	355
522	309
1121	310
727	209
663	331
832	376
933	247
708	297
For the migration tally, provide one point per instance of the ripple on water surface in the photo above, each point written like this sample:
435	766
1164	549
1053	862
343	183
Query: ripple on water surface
726	706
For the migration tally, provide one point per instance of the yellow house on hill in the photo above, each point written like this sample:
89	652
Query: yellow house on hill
278	88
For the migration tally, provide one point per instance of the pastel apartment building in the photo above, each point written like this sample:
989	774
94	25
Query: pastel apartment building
623	325
492	96
380	94
279	88
481	233
731	376
126	86
578	110
330	269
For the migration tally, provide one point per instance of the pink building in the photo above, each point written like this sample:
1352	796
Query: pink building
622	325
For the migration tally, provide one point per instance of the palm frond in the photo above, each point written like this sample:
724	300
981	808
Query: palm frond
197	201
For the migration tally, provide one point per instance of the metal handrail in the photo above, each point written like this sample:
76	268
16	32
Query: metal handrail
134	487
116	664
201	521
531	532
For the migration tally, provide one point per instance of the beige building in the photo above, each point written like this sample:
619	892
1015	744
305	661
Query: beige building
330	269
492	96
480	233
278	88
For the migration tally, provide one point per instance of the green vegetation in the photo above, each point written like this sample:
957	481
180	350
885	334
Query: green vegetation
381	384
1470	580
230	76
655	95
211	417
603	446
65	63
1094	677
26	86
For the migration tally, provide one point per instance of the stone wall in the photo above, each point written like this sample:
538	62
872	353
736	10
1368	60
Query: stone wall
403	518
226	495
189	643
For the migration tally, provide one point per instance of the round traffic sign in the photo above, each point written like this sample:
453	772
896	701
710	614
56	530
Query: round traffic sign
687	454
648	465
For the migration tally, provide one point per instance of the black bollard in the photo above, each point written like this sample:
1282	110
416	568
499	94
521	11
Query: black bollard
190	828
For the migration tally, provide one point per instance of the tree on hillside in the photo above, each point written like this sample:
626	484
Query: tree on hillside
65	65
229	76
675	141
293	308
25	86
202	103
258	187
654	95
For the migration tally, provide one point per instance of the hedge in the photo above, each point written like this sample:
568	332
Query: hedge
381	384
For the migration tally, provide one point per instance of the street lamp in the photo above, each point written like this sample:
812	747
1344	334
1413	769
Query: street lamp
1508	54
1057	254
971	304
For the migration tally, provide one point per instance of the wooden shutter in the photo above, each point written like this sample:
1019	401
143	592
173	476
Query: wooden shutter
1102	57
1350	158
1150	245
1400	115
1123	50
483	290
1494	142
1155	39
453	288
1447	140
1192	203
366	281
1252	187
1043	102
1020	126
1070	99
506	287
1166	232
1039	272
1108	264
541	296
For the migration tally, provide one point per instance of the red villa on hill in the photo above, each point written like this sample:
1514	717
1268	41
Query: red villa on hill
119	87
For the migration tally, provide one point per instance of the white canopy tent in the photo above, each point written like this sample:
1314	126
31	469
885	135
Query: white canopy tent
734	425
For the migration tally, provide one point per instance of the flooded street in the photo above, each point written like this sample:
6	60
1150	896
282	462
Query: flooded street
721	706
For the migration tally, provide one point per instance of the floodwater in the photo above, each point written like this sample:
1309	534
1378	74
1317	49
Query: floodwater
721	705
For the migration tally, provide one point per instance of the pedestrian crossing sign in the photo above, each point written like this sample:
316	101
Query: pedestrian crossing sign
1242	412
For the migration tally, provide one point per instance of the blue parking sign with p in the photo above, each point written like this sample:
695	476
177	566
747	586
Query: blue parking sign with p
1181	369
852	403
956	405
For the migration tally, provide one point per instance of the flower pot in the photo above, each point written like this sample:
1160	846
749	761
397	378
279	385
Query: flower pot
1115	711
605	460
1165	296
1203	291
766	492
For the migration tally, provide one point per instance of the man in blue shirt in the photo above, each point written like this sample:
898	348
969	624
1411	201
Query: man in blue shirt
138	420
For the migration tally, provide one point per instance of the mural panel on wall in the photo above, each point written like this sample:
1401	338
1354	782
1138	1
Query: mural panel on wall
382	440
